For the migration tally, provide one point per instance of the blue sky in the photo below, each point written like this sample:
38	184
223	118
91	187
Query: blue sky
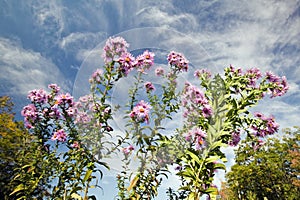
44	42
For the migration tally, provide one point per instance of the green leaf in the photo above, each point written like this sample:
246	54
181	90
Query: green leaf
17	189
194	157
87	175
211	159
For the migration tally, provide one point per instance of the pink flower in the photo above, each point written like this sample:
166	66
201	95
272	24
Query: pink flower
75	145
126	62
55	89
178	60
29	112
59	135
96	76
203	72
207	111
159	71
140	112
197	136
128	150
113	48
38	96
64	99
280	84
144	61
235	138
149	86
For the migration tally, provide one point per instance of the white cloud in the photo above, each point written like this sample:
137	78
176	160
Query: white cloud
24	70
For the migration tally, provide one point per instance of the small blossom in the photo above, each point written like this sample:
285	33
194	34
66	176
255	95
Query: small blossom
149	86
207	111
235	138
144	61
140	112
159	71
96	76
126	62
196	136
203	72
128	150
54	88
29	112
59	135
75	145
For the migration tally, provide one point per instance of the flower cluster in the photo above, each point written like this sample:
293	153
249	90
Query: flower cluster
253	75
59	135
178	60
202	73
96	76
268	126
196	136
38	96
195	102
140	113
126	62
30	114
114	48
52	108
280	83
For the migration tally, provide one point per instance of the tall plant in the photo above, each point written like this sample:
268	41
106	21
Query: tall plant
76	136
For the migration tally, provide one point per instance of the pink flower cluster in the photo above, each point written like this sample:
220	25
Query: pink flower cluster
38	96
96	76
196	136
59	135
195	102
267	127
140	112
178	60
253	75
202	73
51	107
114	47
280	83
115	50
30	114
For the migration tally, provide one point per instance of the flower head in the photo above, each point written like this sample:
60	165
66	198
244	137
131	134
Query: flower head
126	62
59	135
149	86
144	61
128	150
140	112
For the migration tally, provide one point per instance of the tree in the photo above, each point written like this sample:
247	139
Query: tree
267	171
16	151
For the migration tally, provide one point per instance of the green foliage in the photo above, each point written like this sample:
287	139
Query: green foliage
266	172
